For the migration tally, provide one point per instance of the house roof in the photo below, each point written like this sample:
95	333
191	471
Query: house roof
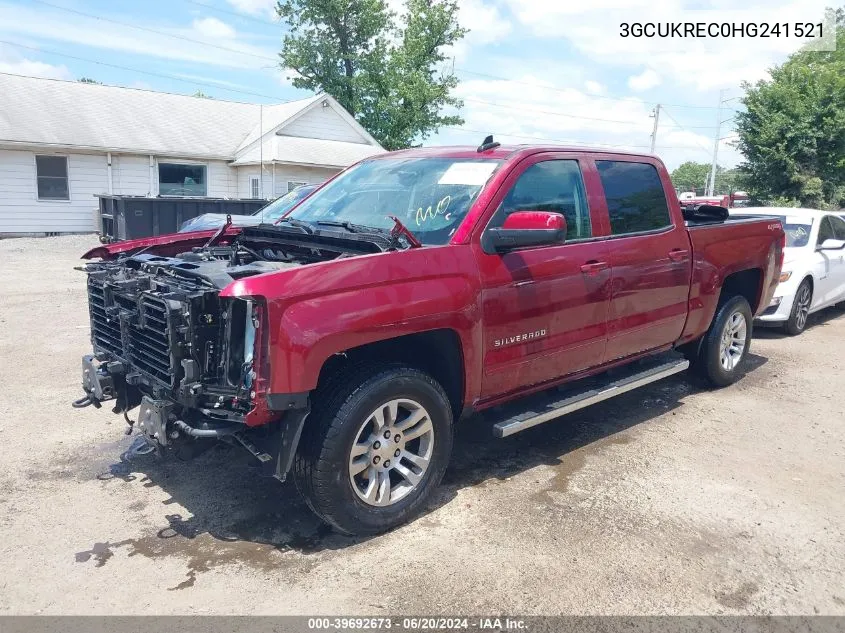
306	151
69	114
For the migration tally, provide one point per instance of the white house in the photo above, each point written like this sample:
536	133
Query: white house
62	142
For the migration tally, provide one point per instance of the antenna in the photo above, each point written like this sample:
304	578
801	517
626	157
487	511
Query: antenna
488	144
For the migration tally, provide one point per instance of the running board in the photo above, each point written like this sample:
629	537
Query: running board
548	405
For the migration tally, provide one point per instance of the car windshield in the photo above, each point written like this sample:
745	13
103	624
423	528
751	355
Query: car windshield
280	206
797	230
430	196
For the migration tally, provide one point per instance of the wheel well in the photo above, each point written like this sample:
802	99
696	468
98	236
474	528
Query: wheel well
744	283
436	352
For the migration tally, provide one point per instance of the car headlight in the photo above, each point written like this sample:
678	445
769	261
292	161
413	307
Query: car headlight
784	276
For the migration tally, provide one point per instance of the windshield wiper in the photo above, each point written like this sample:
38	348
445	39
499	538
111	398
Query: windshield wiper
300	224
351	227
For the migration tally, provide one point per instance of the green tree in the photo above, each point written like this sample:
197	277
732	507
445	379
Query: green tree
792	133
88	80
693	176
386	69
201	95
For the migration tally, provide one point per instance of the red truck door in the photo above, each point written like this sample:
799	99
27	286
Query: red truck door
544	309
650	255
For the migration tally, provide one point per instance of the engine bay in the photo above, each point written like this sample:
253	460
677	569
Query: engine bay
161	331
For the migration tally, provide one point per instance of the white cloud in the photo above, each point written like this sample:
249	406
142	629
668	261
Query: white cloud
645	80
214	28
530	109
58	26
254	7
594	29
485	22
11	62
594	87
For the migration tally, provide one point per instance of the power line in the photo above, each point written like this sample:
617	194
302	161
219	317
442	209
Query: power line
565	90
666	112
144	72
275	60
553	140
570	116
156	32
234	13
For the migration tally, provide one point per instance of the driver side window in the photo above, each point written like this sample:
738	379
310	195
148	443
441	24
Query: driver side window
825	231
838	227
552	185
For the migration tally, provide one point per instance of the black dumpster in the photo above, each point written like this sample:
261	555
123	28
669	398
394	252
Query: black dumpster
131	217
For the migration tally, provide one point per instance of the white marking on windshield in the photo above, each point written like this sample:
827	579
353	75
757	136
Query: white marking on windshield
471	174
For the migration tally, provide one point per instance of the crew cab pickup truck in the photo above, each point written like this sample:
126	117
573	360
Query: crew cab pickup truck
343	343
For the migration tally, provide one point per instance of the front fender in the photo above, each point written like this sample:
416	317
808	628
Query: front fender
320	310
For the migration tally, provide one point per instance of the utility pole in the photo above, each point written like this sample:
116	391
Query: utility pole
261	150
711	187
656	114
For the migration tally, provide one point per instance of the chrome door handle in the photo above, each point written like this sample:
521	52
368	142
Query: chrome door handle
593	267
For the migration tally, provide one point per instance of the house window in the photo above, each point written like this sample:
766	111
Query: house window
175	179
51	173
292	184
254	187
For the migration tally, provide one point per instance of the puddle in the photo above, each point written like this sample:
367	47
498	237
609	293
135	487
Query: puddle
572	462
262	543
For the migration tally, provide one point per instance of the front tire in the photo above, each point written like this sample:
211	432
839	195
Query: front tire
374	448
800	313
726	344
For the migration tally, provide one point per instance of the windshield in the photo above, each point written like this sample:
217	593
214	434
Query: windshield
797	230
429	195
280	206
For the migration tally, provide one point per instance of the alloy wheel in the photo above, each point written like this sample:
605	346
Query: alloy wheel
732	345
802	311
392	452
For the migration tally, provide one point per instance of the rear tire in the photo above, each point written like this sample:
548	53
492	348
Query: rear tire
726	344
347	467
800	313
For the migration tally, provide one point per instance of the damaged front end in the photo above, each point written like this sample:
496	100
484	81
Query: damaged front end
171	342
166	343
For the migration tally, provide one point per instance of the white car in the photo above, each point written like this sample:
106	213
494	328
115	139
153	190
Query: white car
813	275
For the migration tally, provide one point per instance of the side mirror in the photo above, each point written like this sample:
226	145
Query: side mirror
832	245
523	229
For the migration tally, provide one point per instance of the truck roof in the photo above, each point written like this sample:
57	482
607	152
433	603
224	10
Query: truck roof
502	152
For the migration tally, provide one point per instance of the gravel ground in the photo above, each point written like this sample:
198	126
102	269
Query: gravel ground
671	499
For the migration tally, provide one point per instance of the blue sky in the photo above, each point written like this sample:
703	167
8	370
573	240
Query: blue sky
549	70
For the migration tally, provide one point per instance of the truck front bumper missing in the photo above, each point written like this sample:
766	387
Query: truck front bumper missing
160	421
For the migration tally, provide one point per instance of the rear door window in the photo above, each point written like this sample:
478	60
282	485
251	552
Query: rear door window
636	201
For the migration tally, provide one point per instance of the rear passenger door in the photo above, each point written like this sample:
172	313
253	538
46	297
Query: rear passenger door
650	258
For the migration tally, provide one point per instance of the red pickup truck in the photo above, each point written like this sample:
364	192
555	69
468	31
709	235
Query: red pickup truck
344	342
